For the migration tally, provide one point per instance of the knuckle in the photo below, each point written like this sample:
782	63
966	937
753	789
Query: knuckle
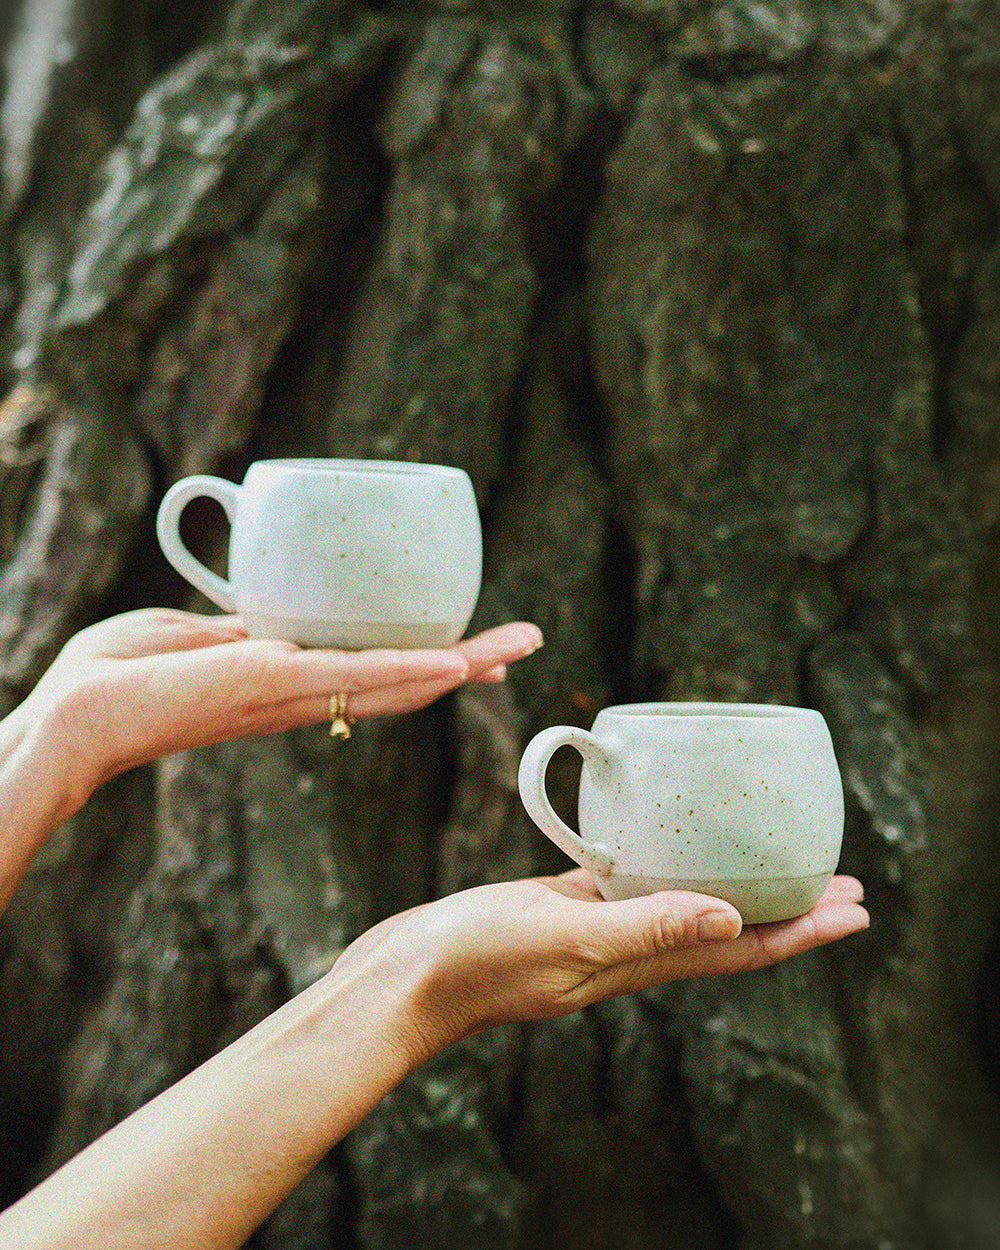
666	932
155	616
584	952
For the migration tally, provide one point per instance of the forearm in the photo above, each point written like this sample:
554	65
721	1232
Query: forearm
206	1161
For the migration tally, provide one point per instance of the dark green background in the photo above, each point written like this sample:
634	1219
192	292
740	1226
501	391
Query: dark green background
706	299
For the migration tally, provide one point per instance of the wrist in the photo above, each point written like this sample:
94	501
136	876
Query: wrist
388	993
39	772
35	799
421	963
50	755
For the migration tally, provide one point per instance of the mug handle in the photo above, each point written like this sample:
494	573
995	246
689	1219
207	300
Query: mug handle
531	783
168	532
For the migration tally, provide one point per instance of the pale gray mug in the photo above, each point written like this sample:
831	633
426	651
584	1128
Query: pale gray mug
340	553
742	801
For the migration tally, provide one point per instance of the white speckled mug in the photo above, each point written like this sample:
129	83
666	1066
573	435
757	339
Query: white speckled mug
340	553
740	801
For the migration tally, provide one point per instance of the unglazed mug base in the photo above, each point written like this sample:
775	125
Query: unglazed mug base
759	900
353	635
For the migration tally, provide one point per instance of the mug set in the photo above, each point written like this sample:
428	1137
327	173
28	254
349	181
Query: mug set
740	801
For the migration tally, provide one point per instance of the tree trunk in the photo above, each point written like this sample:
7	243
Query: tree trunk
706	300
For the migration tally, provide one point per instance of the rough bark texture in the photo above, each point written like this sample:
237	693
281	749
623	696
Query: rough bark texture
706	299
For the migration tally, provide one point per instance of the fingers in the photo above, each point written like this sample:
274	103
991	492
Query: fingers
369	675
760	946
295	673
150	631
315	709
502	645
406	697
828	921
269	673
378	683
842	889
354	672
642	929
382	701
665	937
576	883
579	883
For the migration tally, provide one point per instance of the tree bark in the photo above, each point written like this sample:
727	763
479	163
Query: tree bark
706	300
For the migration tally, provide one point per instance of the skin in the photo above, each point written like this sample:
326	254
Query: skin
203	1163
147	683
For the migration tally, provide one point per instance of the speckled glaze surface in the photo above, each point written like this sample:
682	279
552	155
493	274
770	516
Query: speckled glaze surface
341	553
741	801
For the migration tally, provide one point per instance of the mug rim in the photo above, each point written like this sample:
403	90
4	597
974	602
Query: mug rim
708	710
360	468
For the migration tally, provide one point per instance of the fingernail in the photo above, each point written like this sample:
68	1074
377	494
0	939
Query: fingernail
718	926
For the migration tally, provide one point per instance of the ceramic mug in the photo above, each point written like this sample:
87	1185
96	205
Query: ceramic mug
741	801
340	553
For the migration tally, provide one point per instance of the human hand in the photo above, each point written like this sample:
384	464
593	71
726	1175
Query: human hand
528	950
150	682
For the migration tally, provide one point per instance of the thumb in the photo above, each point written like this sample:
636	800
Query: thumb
653	924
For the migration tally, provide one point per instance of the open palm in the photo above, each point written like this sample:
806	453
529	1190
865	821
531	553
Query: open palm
524	950
153	681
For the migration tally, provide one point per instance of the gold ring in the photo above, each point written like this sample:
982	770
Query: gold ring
341	726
